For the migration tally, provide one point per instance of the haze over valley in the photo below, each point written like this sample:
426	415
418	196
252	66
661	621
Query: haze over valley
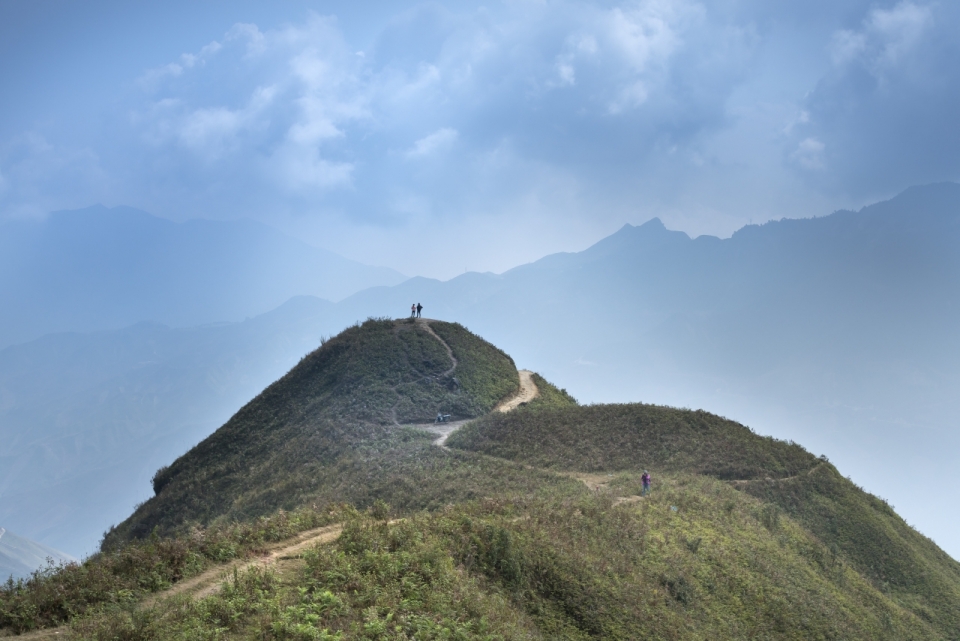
686	348
838	332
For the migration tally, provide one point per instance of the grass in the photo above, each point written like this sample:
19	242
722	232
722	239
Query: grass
487	371
550	396
59	593
632	437
743	537
695	560
347	397
865	531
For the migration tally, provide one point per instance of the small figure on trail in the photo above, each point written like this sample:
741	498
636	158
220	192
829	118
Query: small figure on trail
413	310
442	418
645	479
419	307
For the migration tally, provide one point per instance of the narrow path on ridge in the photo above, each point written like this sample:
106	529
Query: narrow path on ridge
209	581
527	392
425	323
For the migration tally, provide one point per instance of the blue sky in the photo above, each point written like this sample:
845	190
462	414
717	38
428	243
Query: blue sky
435	138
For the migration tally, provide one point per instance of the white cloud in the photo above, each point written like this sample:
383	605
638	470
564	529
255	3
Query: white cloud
809	154
885	37
438	141
152	78
646	34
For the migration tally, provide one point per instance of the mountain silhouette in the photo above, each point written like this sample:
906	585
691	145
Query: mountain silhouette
840	331
100	268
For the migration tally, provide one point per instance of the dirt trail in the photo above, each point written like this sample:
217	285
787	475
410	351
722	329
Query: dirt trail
528	392
443	430
208	582
425	323
773	480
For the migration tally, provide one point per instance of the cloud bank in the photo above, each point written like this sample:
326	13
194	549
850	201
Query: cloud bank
493	134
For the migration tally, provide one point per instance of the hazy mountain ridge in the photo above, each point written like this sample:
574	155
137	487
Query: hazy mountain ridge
87	418
100	268
790	326
19	557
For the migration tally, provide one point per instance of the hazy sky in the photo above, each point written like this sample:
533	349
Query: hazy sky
435	138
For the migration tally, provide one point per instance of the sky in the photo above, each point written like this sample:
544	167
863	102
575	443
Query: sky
438	138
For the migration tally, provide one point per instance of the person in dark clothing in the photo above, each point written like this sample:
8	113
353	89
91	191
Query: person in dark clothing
645	480
419	307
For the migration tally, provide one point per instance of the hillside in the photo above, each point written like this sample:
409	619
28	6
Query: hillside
331	514
333	427
855	526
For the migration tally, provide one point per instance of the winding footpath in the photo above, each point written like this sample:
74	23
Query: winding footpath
290	552
527	392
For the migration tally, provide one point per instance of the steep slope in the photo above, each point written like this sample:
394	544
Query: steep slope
100	268
323	430
853	525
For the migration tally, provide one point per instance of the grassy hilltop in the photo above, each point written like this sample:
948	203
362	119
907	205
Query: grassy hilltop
528	525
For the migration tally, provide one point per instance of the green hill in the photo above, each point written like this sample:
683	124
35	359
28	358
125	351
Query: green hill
853	525
494	536
331	429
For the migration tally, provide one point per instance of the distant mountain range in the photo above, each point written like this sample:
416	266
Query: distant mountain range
100	268
841	331
86	418
19	556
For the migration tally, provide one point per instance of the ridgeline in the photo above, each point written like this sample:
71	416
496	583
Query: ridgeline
527	524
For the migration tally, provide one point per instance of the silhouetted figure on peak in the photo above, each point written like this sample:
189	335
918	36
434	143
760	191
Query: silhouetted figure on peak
419	307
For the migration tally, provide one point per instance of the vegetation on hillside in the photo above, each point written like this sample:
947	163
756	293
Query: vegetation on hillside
58	593
327	428
854	525
866	532
494	537
550	396
695	560
488	372
632	437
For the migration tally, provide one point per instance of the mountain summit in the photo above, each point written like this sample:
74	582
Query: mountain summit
540	508
317	433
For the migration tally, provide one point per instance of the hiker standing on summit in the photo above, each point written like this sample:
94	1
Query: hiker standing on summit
413	311
419	307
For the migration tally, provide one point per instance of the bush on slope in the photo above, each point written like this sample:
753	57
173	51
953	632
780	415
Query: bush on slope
902	563
561	564
857	527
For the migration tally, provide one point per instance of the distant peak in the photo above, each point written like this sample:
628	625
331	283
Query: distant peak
654	224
